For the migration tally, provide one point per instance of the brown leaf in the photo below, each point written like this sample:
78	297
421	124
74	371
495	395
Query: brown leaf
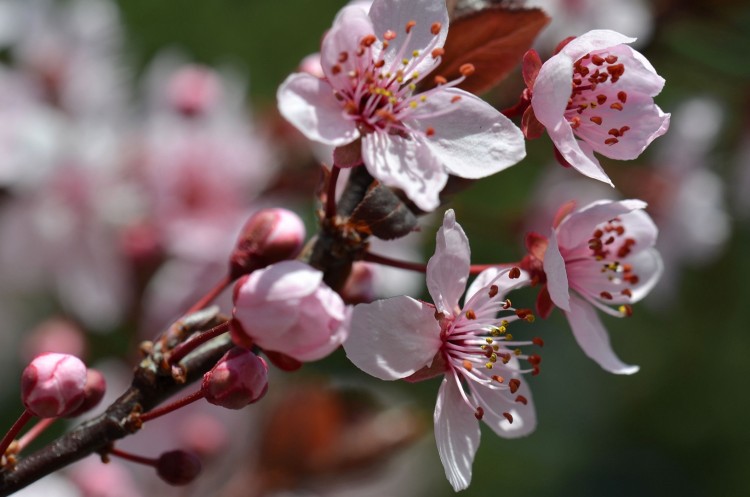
493	40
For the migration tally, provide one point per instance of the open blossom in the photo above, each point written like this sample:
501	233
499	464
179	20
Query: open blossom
605	253
402	337
597	95
372	64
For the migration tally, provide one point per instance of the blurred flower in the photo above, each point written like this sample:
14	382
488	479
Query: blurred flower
398	337
409	141
610	109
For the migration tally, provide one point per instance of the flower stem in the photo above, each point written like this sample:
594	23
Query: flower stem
331	194
183	349
11	435
387	261
148	461
211	294
167	408
34	432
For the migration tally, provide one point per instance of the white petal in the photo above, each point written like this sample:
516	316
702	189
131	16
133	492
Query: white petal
456	433
495	403
448	269
407	164
593	338
474	140
351	25
597	39
649	267
286	280
308	103
393	338
394	14
578	153
577	228
557	275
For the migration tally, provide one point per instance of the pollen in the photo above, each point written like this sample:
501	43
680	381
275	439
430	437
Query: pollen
389	35
435	28
470	314
437	52
410	25
514	385
508	416
488	365
467	69
514	273
467	365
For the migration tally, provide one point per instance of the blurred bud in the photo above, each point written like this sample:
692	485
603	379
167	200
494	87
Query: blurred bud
178	467
269	236
311	65
54	335
359	288
93	392
287	308
53	385
238	379
194	90
203	433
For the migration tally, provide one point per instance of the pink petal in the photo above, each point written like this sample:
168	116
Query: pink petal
649	267
393	338
448	269
552	90
592	337
489	277
456	433
308	103
473	140
287	280
557	275
351	25
578	154
394	14
496	403
597	39
577	228
405	163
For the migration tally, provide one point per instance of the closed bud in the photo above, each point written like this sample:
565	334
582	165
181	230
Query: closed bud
53	385
238	379
178	467
93	392
269	236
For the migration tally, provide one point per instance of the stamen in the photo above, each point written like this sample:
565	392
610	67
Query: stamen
438	52
537	341
508	416
514	384
467	69
493	291
479	413
435	28
389	35
514	273
410	25
522	400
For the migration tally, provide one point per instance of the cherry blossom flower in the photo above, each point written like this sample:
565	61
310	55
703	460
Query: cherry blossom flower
373	63
609	109
404	338
605	253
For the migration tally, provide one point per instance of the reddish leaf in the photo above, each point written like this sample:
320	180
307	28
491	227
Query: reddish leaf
493	40
530	125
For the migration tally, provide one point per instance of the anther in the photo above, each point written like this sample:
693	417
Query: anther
470	314
626	310
410	25
534	359
606	295
622	96
498	378
479	414
611	59
336	69
435	28
595	120
438	52
343	57
537	341
508	416
600	99
522	400
429	131
522	313
488	365
616	106
627	292
493	289
440	80
514	273
514	385
467	365
467	69
389	35
611	141
507	304
455	99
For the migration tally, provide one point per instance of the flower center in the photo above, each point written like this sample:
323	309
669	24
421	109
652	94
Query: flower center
595	99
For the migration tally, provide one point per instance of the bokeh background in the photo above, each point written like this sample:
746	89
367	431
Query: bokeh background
677	427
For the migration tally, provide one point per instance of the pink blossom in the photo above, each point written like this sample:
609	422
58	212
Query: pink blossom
53	385
372	63
610	108
402	337
287	308
605	253
238	379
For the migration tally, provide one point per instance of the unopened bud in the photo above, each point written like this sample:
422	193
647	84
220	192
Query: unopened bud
238	379
269	236
93	392
178	467
53	385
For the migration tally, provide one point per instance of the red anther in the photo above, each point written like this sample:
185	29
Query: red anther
507	304
514	384
616	71
621	229
577	81
522	400
598	233
537	341
611	141
435	28
575	122
343	57
596	120
508	416
606	295
439	80
467	69
351	107
505	358
455	99
389	35
632	279
467	365
627	267
535	371
410	25
493	291
479	413
534	359
614	132
622	132
611	59
626	309
597	59
622	96
336	69
498	378
627	292
429	131
522	313
514	273
600	99
609	241
438	52
368	40
470	314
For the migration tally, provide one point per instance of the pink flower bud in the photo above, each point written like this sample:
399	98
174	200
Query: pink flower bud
269	236
178	467
287	308
194	90
93	393
238	379
53	385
